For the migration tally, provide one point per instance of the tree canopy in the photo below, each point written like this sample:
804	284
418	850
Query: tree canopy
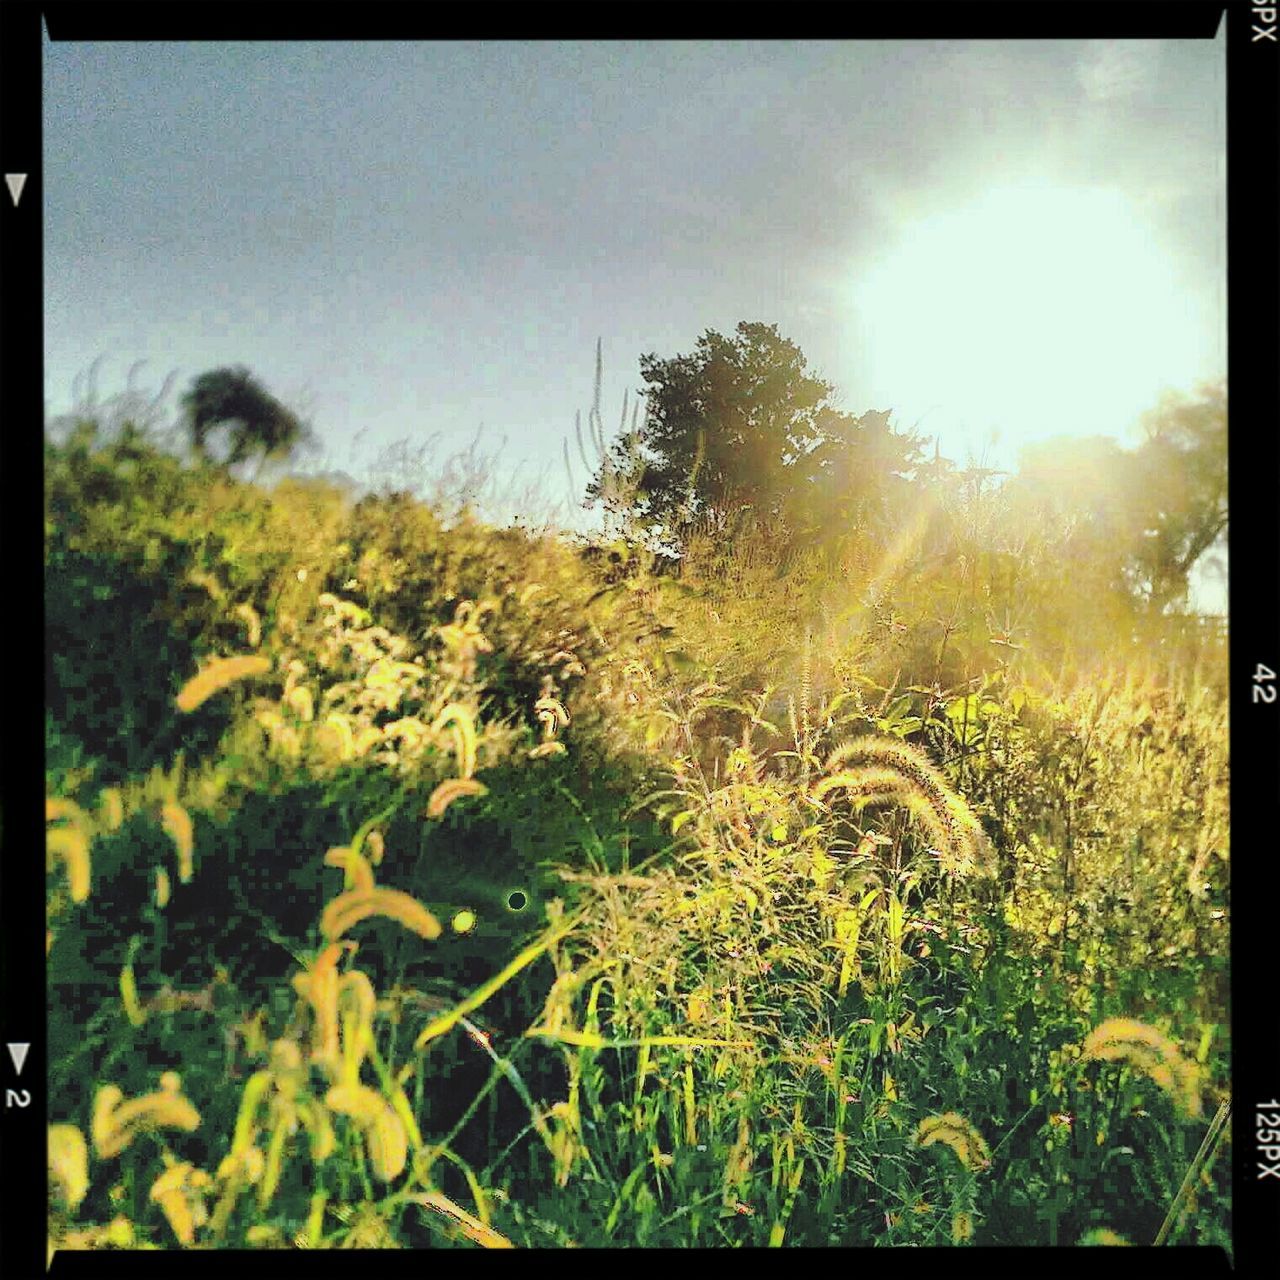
741	422
233	401
1181	472
1138	520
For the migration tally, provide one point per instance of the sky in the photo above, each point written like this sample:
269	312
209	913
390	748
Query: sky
999	241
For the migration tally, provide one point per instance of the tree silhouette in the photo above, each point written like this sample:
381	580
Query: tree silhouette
1140	520
741	423
233	401
1181	471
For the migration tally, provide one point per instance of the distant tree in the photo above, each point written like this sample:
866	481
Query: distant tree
233	401
1136	521
739	423
856	476
1180	470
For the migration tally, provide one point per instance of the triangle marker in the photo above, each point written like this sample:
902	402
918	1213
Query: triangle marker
15	182
18	1052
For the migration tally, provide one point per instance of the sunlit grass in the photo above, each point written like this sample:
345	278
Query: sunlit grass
908	951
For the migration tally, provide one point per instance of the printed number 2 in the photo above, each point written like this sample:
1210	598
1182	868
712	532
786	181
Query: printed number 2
1264	688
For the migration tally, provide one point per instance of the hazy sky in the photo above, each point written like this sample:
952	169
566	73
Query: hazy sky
1023	237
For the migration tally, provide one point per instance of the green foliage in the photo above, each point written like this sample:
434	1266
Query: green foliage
741	423
1135	522
233	401
831	893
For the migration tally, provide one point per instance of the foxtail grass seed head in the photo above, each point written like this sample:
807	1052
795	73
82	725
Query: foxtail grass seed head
301	703
133	1009
319	987
315	1119
69	1163
1102	1236
384	1135
348	909
198	578
453	789
359	872
1151	1052
217	675
256	1089
180	1192
357	1004
552	715
890	771
954	1131
177	824
71	845
245	1165
408	731
335	735
63	809
116	1122
253	624
463	724
110	809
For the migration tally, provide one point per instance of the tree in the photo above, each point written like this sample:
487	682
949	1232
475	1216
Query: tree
1181	471
232	400
856	475
740	423
1134	522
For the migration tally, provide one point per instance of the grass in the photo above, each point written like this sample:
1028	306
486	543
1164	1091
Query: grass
464	889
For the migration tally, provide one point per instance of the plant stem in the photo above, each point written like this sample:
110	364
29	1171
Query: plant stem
1202	1158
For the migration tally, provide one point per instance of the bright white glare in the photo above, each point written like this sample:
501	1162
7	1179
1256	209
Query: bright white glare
1032	311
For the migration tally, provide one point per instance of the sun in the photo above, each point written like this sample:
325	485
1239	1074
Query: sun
1032	310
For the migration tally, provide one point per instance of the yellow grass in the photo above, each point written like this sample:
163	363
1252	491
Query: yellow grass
447	792
217	674
348	909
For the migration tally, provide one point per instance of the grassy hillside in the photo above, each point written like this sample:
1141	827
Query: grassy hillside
413	882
